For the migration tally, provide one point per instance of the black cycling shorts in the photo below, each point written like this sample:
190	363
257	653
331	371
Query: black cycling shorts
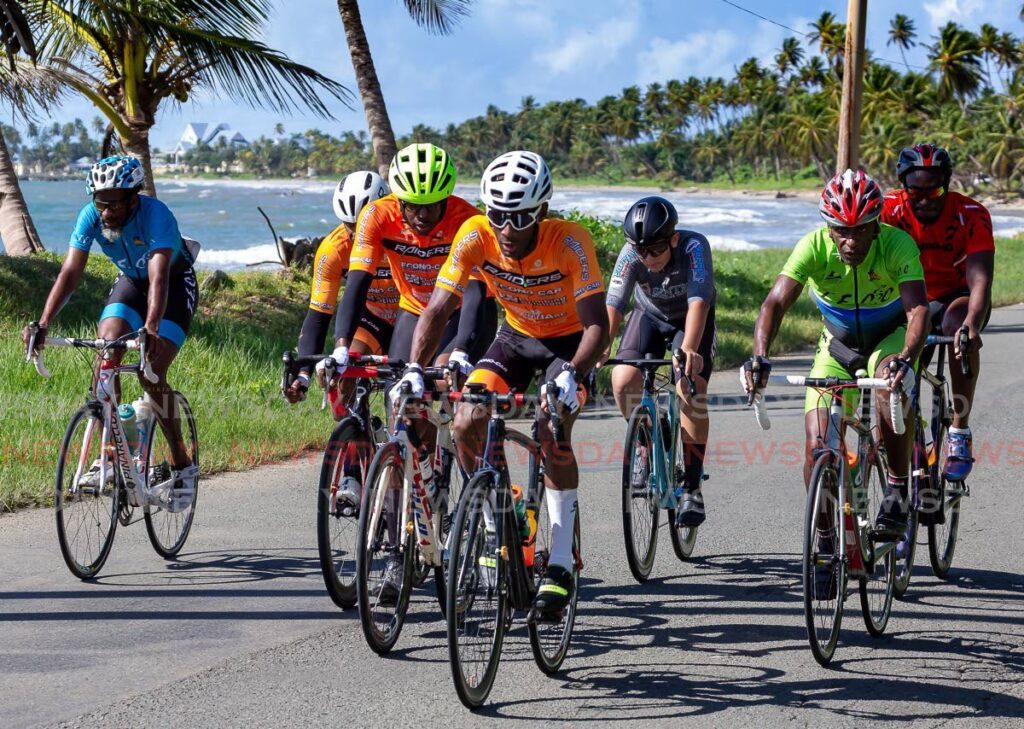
127	300
937	312
374	331
646	335
515	358
405	325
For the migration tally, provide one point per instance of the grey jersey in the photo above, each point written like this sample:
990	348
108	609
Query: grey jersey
666	294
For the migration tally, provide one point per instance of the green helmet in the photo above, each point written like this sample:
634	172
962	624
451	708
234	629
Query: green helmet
422	174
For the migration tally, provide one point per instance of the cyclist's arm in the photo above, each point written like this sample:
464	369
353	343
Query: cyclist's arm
783	295
471	316
594	317
67	281
615	318
156	301
313	335
915	304
980	267
357	285
430	327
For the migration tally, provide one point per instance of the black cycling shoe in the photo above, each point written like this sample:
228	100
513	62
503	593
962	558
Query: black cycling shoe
555	592
893	514
691	510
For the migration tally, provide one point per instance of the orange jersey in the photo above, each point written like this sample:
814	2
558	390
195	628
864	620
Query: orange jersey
415	259
539	292
331	265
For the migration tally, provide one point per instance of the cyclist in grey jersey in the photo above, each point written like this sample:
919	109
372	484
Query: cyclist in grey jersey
668	273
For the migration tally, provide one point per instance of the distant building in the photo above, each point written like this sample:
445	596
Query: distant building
203	133
79	165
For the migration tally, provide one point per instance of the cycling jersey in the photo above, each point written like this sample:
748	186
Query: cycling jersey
151	227
665	294
964	227
331	265
415	259
860	304
538	292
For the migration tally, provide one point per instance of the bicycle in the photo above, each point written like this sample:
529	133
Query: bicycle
836	497
350	447
650	440
90	505
934	501
404	518
489	576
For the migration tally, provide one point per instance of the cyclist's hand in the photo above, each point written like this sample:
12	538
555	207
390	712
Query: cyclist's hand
155	346
460	358
755	374
694	363
605	356
975	339
567	386
898	371
40	335
340	357
414	378
296	392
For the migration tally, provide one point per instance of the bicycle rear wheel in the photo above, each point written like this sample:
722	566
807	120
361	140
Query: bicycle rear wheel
684	538
906	548
448	493
348	454
876	588
168	530
823	603
639	497
476	599
550	639
86	512
384	553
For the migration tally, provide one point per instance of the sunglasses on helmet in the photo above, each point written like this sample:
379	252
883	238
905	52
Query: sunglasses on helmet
518	219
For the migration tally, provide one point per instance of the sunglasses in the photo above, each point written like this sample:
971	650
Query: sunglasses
116	206
651	251
518	219
925	193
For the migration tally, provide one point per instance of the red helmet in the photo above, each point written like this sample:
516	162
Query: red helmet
850	198
924	157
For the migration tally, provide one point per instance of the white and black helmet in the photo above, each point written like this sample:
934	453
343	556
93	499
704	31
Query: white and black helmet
117	172
355	191
516	181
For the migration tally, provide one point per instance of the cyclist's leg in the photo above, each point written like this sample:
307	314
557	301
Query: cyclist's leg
816	405
694	411
123	313
894	510
953	314
640	337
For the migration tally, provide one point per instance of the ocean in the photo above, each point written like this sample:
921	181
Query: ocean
222	214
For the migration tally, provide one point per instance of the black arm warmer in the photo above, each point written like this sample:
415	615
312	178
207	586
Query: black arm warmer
313	336
357	284
471	315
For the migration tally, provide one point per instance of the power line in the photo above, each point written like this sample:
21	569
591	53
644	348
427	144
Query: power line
809	35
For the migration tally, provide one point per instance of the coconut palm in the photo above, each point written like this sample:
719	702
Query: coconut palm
436	16
790	56
901	35
955	58
830	35
15	33
127	57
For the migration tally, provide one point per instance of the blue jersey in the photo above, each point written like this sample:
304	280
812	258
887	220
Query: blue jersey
151	227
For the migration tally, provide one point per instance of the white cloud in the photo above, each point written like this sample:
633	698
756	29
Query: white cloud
587	50
941	12
706	53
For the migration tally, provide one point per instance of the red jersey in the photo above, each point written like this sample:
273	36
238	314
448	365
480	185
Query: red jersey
964	227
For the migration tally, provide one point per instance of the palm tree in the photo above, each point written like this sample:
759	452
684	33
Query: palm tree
988	44
128	57
437	16
954	57
790	56
902	34
830	36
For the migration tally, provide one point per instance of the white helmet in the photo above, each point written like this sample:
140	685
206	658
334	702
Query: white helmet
516	181
355	191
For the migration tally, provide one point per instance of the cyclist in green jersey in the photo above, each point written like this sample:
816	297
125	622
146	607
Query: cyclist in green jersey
867	281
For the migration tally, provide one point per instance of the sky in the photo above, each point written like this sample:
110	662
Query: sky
549	49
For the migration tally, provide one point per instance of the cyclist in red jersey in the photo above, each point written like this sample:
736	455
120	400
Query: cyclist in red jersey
954	234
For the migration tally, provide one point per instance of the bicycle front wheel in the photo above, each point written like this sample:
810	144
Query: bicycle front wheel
906	548
384	552
824	570
168	528
86	509
878	585
684	538
639	497
942	537
476	599
347	455
550	639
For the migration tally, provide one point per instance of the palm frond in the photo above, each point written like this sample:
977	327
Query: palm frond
438	16
30	88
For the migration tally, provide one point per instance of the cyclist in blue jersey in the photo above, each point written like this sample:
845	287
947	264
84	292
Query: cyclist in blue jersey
667	272
155	290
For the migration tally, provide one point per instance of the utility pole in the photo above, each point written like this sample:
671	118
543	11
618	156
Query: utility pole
853	84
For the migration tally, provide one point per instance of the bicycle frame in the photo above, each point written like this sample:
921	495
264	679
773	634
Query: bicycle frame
664	459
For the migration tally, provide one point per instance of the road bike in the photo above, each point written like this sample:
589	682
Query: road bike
497	559
842	499
652	469
101	480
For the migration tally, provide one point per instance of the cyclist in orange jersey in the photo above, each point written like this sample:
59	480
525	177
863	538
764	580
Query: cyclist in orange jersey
545	274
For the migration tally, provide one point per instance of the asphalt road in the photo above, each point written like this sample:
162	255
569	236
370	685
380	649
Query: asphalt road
239	630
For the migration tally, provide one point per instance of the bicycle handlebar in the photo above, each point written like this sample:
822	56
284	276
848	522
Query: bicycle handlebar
650	363
138	343
966	347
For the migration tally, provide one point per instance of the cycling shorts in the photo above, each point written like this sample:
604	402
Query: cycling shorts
645	335
825	365
127	300
375	332
937	312
405	326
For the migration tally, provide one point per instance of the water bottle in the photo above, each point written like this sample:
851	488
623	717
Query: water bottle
520	507
143	417
131	432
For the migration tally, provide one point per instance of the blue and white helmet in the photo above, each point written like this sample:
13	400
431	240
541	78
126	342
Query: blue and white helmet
117	172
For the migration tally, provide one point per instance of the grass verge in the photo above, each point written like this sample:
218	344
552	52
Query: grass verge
229	369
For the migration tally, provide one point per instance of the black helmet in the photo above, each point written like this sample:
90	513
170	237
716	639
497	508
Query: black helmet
924	157
650	219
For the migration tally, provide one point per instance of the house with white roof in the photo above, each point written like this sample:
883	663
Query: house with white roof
203	133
